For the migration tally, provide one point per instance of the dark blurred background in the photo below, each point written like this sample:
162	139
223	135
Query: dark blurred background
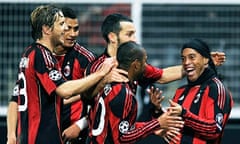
161	28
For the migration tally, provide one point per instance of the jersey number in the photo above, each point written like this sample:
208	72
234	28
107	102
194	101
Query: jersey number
23	92
97	131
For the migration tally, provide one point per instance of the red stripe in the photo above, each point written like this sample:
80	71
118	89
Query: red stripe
47	58
141	132
221	93
84	52
97	64
204	127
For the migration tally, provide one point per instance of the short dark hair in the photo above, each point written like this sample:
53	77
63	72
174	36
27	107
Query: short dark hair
127	53
68	12
112	24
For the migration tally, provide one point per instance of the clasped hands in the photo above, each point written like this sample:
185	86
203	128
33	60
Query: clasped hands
170	120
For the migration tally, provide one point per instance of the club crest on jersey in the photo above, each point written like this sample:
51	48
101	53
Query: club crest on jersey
24	62
197	98
55	75
107	89
123	126
66	70
219	118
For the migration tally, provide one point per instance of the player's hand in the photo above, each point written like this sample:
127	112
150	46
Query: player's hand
175	108
116	75
160	132
156	97
218	58
12	140
171	136
108	64
168	135
71	132
169	122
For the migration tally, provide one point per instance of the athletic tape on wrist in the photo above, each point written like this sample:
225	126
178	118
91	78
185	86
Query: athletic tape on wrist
82	123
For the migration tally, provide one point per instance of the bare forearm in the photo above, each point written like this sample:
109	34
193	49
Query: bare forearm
171	74
12	119
74	87
72	99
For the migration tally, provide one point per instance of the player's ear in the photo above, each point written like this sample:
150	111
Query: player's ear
112	37
137	64
46	29
205	60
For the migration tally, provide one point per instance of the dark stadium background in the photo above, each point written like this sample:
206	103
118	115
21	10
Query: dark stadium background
162	29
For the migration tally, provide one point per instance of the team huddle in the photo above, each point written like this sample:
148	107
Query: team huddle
65	94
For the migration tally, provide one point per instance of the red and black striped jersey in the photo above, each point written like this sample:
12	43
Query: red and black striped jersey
113	117
73	65
206	109
39	107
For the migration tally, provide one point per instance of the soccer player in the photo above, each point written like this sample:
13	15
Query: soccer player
73	59
204	102
40	84
117	29
114	112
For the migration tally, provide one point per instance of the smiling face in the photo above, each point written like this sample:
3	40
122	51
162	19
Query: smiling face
193	63
71	33
58	29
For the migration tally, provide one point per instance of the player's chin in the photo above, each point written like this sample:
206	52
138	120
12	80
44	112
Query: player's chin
69	43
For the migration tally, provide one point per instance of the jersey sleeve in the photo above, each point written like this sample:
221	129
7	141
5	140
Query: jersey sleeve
217	112
151	75
124	107
47	70
95	65
15	93
140	131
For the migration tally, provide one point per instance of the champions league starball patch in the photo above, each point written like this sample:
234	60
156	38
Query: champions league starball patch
55	75
123	126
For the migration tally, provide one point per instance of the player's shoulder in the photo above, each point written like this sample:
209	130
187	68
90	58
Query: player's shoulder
83	51
216	88
38	51
33	47
95	64
216	84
